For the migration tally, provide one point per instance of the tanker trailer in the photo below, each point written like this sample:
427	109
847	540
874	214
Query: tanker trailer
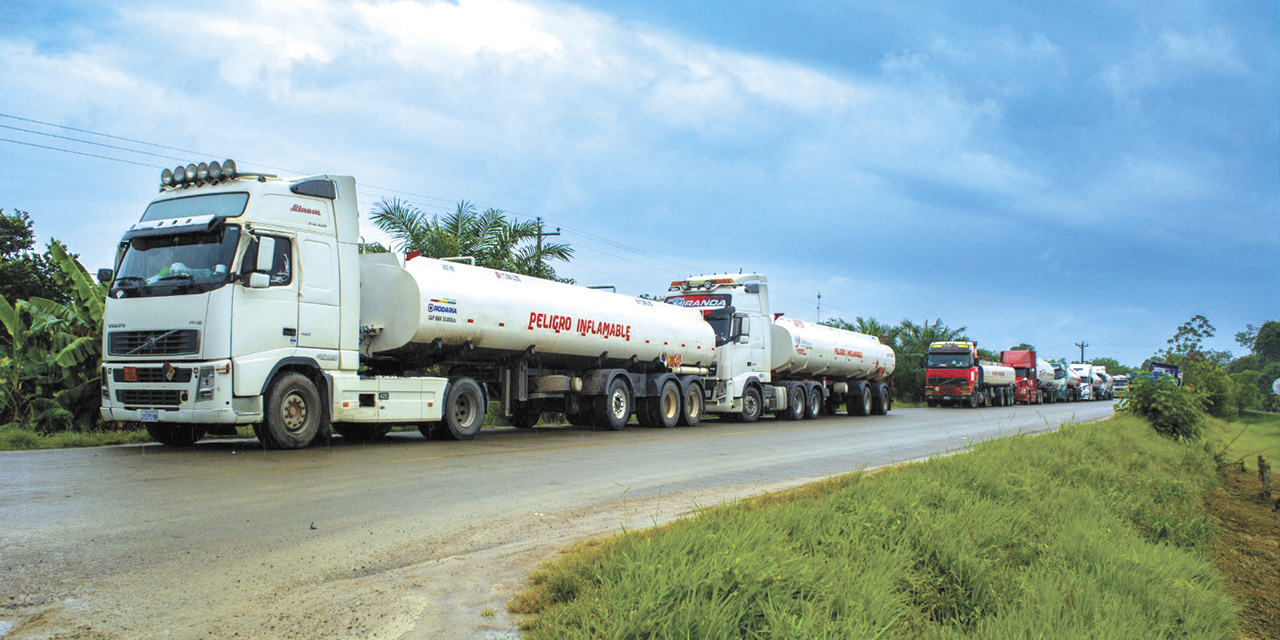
773	364
955	376
1106	391
808	358
538	345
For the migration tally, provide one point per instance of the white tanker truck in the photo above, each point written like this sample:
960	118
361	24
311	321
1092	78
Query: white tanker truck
243	299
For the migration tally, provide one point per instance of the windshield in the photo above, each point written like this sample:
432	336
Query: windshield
176	264
219	205
950	360
721	321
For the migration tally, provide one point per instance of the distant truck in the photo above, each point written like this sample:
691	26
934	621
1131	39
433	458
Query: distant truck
1120	382
955	376
1164	369
1090	382
1033	377
1066	382
1107	389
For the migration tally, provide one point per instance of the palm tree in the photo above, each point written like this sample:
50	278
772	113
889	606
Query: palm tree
488	236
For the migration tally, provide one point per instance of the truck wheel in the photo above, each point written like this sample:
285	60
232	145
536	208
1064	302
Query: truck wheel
881	403
175	435
973	401
814	406
524	419
613	409
860	405
663	410
294	414
750	405
691	406
463	409
795	404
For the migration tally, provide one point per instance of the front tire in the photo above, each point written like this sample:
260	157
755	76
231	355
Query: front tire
294	415
464	409
175	435
751	405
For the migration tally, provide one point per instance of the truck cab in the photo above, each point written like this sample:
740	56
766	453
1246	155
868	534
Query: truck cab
737	308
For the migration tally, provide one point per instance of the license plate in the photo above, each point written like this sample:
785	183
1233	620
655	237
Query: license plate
149	415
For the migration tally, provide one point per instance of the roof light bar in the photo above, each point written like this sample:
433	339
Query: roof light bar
198	174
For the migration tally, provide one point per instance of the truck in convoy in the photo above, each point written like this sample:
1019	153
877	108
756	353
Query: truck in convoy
955	376
1033	377
769	363
1105	390
1090	381
1066	382
1159	369
1120	382
243	299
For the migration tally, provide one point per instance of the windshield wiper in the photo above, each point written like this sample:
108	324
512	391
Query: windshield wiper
122	280
175	276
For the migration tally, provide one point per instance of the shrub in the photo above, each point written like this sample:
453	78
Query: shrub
1172	410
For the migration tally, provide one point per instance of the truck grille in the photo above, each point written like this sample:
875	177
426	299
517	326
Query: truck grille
937	381
149	397
150	374
174	342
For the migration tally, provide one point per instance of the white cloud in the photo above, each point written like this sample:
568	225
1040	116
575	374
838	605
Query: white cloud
1173	58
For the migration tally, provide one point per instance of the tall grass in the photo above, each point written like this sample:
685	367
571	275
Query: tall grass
1094	531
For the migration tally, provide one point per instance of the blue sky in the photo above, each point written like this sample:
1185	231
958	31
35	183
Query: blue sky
1047	173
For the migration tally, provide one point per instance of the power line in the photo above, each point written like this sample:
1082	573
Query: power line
80	153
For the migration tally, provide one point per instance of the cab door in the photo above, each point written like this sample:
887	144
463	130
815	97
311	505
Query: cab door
264	322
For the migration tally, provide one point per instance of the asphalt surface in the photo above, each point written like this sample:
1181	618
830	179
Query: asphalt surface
401	538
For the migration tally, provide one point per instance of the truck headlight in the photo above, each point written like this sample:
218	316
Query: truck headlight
106	394
204	391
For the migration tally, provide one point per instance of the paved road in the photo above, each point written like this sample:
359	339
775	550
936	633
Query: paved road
404	538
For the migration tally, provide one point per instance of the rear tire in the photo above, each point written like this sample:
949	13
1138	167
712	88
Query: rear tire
524	419
881	403
691	406
813	407
663	410
294	415
860	405
175	435
463	409
795	404
613	409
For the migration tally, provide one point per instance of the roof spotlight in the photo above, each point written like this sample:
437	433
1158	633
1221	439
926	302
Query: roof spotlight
179	175
166	178
229	169
215	171
202	173
191	174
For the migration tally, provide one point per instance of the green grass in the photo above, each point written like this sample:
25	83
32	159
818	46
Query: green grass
1256	434
19	439
1093	531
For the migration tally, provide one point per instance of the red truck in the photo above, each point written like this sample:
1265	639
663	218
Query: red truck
954	376
1033	377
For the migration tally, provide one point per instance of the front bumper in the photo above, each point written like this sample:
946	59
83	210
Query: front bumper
194	393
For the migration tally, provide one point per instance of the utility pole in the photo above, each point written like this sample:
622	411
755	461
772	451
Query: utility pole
819	319
1082	345
542	235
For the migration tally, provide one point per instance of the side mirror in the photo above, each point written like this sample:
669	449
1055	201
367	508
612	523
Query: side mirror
266	255
105	275
259	280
